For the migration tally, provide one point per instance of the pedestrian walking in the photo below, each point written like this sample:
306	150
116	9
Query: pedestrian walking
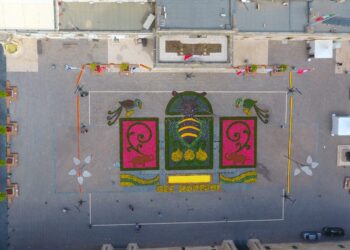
81	202
65	210
189	76
68	67
84	93
138	227
293	90
131	207
339	64
288	197
79	90
83	128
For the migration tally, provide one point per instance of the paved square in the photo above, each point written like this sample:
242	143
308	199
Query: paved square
47	143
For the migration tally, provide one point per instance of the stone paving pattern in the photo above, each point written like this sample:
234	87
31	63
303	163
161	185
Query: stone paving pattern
252	51
26	59
127	50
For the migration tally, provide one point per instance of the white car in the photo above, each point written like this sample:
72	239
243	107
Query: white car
311	235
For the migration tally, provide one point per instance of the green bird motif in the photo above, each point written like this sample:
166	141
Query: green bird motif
249	104
128	105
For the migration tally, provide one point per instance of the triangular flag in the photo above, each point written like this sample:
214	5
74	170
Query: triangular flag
302	71
188	56
240	72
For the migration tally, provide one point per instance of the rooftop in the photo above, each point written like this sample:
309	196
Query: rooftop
195	14
271	16
108	16
27	15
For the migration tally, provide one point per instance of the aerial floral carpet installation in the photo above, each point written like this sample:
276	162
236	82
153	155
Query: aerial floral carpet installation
189	146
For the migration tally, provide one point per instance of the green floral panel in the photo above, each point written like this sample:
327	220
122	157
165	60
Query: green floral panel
188	143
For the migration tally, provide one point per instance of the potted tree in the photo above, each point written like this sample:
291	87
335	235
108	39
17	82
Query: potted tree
124	68
3	130
251	70
283	68
2	196
279	69
3	94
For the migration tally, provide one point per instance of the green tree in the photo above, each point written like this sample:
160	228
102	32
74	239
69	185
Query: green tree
253	68
124	67
2	196
3	94
283	67
2	130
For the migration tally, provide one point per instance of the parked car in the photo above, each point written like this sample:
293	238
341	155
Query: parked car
333	231
311	235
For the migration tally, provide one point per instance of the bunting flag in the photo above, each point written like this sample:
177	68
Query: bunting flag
323	18
188	56
302	71
240	72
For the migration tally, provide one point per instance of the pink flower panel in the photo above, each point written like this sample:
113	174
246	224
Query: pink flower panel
139	143
238	142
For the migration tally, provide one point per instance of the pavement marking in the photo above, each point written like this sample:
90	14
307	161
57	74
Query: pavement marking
210	91
283	200
290	131
78	123
189	222
90	209
186	222
89	110
286	110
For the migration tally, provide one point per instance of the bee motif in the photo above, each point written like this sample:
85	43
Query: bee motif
189	127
